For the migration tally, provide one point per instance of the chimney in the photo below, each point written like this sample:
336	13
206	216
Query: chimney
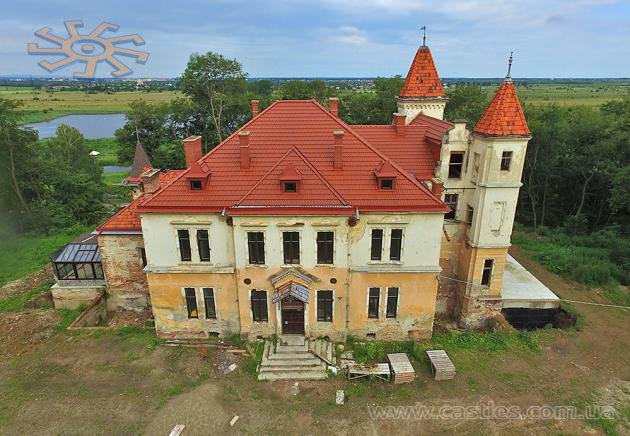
150	180
333	106
255	108
437	187
399	123
192	149
338	147
245	158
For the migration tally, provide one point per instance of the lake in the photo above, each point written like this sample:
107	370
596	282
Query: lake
91	126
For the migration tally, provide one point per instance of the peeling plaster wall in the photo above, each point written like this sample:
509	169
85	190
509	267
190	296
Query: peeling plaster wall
122	265
70	295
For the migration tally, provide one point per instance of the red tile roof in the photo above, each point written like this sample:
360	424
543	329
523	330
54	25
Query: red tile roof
300	133
417	150
504	115
422	79
128	218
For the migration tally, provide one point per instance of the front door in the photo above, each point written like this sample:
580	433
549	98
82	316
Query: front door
292	316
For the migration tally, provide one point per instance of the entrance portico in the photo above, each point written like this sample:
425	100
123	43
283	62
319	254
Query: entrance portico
291	297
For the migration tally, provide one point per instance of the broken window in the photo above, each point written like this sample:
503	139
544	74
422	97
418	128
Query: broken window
256	246
392	302
455	165
259	305
325	247
208	300
291	246
373	302
184	244
143	256
191	302
395	245
486	276
506	161
451	202
203	244
324	306
377	244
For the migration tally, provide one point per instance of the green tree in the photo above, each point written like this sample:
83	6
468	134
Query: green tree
217	86
466	102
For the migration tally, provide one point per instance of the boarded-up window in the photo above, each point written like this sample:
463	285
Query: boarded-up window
373	302
191	302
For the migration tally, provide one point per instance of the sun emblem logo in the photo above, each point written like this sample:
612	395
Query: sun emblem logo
90	49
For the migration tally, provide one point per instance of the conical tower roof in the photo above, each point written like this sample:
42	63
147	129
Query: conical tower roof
422	79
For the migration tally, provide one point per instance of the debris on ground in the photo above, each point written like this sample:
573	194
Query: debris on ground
333	369
340	397
177	430
233	421
295	389
27	283
346	359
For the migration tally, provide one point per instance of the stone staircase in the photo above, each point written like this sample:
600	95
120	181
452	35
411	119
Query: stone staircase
294	358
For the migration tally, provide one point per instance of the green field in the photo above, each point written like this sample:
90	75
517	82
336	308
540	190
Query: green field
592	94
43	105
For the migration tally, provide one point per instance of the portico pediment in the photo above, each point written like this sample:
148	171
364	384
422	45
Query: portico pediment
281	278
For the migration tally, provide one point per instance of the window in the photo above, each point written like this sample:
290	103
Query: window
195	185
208	301
290	187
469	214
291	245
455	165
373	302
203	244
256	245
506	161
324	306
143	256
395	244
259	305
325	247
387	184
392	302
476	159
451	202
191	302
377	244
486	276
184	244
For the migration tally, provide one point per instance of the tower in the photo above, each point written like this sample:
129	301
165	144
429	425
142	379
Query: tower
422	91
494	167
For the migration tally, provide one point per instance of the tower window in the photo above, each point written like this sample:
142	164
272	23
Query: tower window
486	276
506	161
455	165
195	185
451	202
469	214
387	184
290	187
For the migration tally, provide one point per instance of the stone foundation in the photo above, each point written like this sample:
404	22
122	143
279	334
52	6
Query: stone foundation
70	294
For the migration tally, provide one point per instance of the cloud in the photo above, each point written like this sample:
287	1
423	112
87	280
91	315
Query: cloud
349	35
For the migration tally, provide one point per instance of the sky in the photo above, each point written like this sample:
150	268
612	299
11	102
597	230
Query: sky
339	38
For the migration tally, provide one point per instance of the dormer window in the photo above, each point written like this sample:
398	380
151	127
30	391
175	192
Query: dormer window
196	185
290	186
386	183
290	178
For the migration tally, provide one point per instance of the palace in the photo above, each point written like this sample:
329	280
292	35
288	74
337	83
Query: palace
301	223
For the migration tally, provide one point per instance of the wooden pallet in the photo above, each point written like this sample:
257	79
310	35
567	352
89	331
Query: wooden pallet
401	368
379	370
441	365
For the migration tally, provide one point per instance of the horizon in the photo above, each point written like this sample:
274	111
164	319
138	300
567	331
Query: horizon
342	39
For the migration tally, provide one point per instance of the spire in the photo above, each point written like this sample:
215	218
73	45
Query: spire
140	161
422	79
504	115
424	36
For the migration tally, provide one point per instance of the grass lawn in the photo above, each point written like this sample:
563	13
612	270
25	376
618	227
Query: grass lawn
34	252
40	105
108	149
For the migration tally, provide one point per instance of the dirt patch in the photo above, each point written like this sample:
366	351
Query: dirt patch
23	331
42	301
127	318
27	283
